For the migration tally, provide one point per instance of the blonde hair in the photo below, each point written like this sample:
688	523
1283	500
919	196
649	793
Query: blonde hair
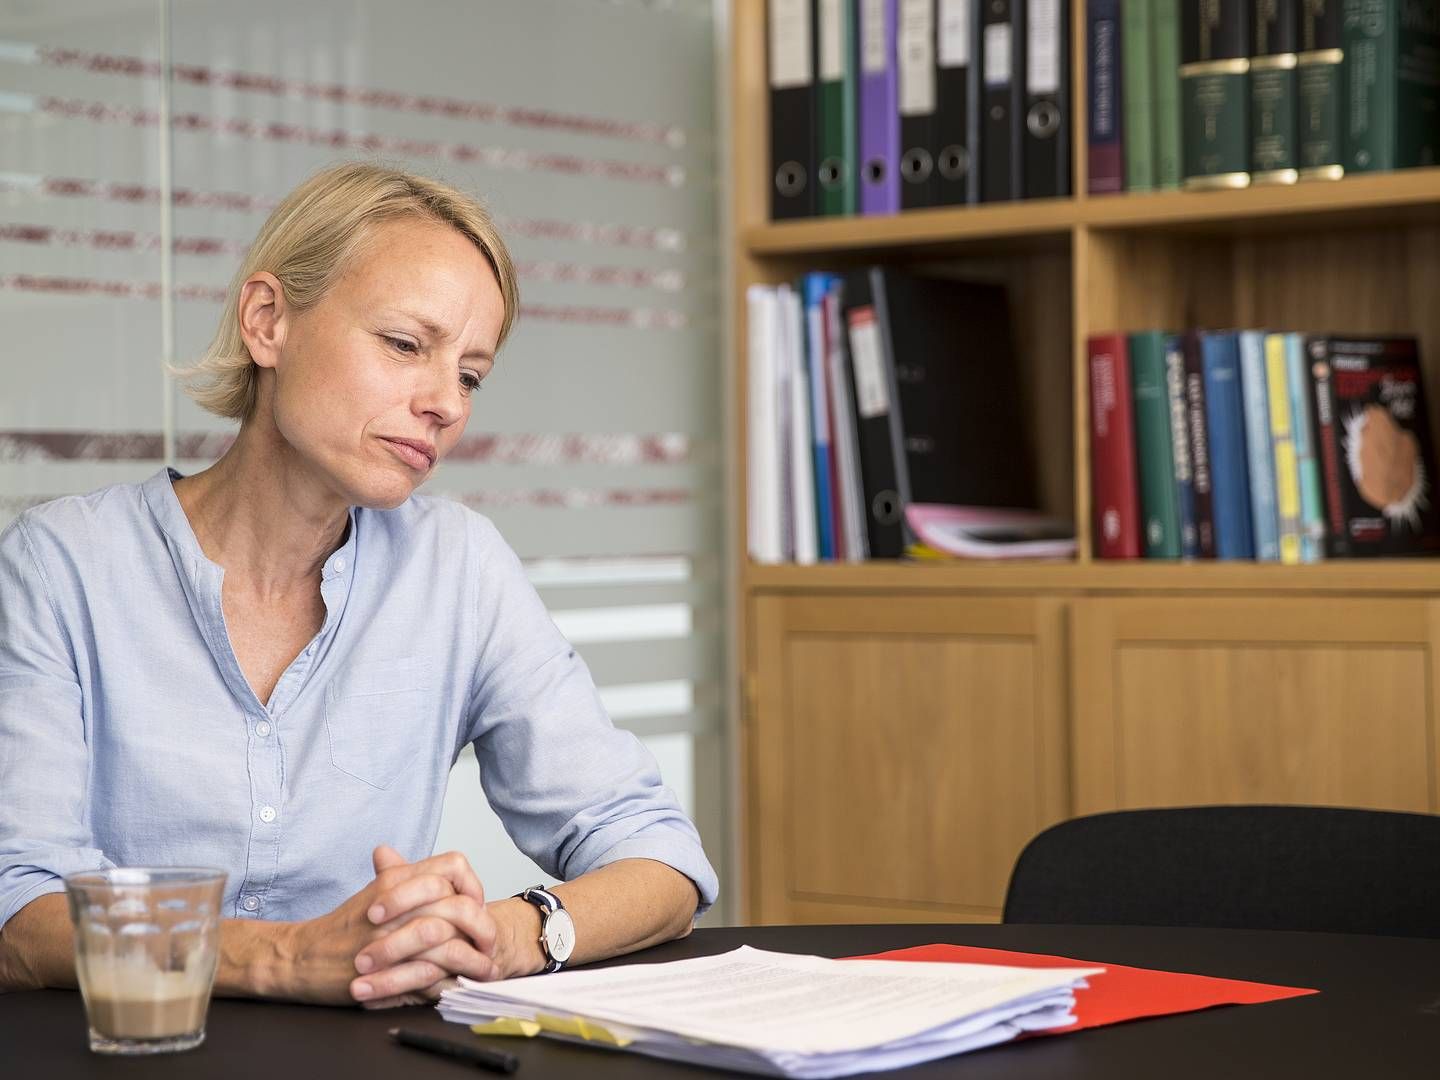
308	242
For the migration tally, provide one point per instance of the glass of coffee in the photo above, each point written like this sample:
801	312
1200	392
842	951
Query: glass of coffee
146	945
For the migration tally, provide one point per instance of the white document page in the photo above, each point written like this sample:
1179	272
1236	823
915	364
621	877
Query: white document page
778	1002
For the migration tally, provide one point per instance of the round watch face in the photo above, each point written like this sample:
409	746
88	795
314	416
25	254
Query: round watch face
560	935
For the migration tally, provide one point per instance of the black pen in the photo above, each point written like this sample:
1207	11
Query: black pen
475	1055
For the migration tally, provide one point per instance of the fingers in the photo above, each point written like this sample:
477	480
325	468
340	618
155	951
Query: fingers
409	894
386	857
426	927
423	973
414	997
451	866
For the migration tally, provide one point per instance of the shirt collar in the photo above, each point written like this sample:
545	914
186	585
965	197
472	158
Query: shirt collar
164	505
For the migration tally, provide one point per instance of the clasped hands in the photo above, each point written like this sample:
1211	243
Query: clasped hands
398	940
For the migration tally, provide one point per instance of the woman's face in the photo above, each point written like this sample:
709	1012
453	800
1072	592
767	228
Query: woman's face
374	384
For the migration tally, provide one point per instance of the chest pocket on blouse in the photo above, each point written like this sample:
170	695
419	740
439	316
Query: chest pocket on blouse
375	718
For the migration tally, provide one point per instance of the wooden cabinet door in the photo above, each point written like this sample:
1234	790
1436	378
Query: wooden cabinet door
1249	700
900	753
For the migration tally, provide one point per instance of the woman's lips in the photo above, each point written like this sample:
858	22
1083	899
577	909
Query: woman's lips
410	453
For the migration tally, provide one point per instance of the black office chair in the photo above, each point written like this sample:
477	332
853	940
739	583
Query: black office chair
1252	867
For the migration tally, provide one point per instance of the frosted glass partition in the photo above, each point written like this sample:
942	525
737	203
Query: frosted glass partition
586	125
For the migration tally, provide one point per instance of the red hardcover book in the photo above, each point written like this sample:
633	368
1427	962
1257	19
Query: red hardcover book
1114	487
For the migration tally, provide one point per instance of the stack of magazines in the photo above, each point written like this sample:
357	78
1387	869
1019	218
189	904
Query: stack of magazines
778	1014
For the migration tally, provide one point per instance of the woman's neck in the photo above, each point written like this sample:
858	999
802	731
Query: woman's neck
263	516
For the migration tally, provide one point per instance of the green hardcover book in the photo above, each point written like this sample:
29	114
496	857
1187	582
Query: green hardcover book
1137	88
1165	26
1215	92
1392	84
1274	97
835	26
1320	85
1154	448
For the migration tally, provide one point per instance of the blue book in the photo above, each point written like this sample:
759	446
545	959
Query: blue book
1264	513
1312	501
1225	426
815	286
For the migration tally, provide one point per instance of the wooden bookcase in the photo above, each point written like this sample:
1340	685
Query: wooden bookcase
906	728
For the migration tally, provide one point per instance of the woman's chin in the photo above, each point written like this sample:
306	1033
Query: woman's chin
385	492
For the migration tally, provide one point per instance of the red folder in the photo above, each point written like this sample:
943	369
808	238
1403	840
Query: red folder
1122	993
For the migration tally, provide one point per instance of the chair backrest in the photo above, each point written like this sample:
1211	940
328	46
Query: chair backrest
1254	867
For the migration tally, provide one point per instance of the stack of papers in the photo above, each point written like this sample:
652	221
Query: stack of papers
778	1014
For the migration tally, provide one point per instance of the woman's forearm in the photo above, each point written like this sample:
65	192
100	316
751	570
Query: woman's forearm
37	951
619	908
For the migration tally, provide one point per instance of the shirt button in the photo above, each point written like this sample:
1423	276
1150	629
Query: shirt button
339	565
262	728
250	903
267	814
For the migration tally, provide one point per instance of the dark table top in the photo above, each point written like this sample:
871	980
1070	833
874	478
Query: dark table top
1378	1016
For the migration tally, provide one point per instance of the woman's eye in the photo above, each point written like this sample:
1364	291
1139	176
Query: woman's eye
407	347
469	381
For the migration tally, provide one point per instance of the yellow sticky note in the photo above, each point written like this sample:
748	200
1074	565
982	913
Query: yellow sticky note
580	1028
507	1025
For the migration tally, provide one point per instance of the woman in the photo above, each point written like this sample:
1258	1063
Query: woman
270	666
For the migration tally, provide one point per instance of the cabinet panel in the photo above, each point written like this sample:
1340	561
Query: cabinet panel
1253	700
903	752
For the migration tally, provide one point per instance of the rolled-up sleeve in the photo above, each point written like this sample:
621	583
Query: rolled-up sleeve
44	759
573	791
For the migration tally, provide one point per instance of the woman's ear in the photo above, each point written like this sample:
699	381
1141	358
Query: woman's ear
262	315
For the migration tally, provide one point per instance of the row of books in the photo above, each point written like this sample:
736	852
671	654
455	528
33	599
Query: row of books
879	106
873	392
1245	444
1226	93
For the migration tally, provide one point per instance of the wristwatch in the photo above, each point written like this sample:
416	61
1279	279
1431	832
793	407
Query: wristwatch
557	929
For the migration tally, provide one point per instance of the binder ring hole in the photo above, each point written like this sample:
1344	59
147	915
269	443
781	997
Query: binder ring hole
831	172
790	178
1044	119
917	165
954	162
875	170
886	508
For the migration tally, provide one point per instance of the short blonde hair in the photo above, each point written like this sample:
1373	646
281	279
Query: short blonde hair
308	242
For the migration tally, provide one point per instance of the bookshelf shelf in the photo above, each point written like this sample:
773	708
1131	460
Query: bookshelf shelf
915	229
1391	577
1402	197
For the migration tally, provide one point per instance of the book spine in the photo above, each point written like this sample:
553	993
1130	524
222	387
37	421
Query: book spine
814	286
1159	467
1184	472
879	108
1282	441
1327	441
1112	456
1260	454
1225	416
791	60
1139	94
1215	93
1104	97
833	169
955	147
1417	93
915	57
1165	25
1312	501
1197	442
1370	81
1274	150
1321	91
